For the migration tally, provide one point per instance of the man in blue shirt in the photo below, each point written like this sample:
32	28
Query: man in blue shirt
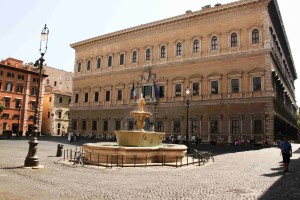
286	151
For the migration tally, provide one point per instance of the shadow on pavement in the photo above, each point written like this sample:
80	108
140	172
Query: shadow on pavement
287	186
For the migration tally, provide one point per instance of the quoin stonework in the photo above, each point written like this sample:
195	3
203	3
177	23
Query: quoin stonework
235	59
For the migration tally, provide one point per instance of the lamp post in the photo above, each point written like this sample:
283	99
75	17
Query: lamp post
187	92
32	160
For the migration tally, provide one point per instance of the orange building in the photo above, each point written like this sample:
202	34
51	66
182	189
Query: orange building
18	90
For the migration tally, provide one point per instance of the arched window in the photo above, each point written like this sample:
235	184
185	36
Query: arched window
109	62
134	57
255	36
148	54
162	52
88	65
79	67
178	49
233	39
196	46
214	43
98	63
122	59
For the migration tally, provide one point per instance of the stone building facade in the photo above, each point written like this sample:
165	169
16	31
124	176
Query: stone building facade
234	58
58	91
18	90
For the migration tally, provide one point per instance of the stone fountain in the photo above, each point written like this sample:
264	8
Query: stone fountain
137	146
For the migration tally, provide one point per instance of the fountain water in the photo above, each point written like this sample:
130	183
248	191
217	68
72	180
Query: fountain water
138	146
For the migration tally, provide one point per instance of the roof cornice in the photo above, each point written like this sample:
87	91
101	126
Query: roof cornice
147	26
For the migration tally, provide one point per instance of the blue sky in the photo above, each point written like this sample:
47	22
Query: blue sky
70	21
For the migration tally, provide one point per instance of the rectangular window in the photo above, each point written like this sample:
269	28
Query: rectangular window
8	86
31	117
161	91
76	98
4	126
178	90
60	99
16	116
86	97
74	125
147	91
195	127
214	87
5	116
35	80
83	124
257	126
34	91
120	92
48	114
214	126
96	96
1	73
10	75
105	125
6	102
33	105
19	88
256	84
235	85
176	127
160	126
235	126
18	103
94	125
21	77
50	99
130	125
195	89
107	95
59	115
118	125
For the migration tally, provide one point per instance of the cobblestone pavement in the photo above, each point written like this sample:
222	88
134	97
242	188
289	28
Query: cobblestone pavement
254	174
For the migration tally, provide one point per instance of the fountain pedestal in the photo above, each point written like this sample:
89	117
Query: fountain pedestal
135	147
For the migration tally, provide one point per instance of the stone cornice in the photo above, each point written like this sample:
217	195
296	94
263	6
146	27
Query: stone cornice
168	21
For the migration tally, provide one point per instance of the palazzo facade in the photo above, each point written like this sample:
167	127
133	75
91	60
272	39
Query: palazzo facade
234	58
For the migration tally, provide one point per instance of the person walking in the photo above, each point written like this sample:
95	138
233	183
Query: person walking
286	151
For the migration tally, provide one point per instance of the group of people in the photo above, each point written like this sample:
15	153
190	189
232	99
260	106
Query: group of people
286	151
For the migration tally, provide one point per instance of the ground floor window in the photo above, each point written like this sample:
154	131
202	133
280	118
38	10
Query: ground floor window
74	125
94	125
160	126
118	125
257	126
130	125
195	126
83	125
214	126
176	126
105	125
235	126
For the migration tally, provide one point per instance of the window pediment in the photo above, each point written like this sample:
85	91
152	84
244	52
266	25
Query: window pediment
214	75
178	79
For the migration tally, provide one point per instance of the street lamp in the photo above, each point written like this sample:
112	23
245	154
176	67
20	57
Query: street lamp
187	92
32	160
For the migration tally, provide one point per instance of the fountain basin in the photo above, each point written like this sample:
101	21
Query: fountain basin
139	138
111	152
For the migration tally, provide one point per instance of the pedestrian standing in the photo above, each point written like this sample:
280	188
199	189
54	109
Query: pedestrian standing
286	151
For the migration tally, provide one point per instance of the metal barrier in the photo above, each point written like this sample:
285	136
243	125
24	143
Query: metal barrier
72	155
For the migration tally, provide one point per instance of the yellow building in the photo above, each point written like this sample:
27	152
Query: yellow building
57	97
234	58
